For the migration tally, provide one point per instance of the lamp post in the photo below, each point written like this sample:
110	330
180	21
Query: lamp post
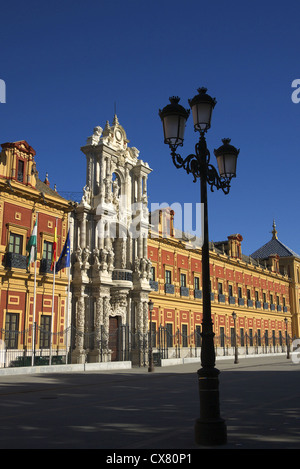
287	339
210	428
236	360
150	365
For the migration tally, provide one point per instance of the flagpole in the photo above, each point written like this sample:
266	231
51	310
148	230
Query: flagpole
67	320
64	263
53	290
68	298
34	298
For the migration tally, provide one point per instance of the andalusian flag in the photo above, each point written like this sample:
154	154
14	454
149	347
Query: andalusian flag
64	258
54	250
32	245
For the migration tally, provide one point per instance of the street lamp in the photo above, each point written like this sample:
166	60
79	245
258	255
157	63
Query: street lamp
210	428
150	365
287	339
236	360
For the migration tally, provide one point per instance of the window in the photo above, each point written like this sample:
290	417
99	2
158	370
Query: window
20	175
11	330
222	337
258	337
232	336
184	335
239	292
264	298
230	290
47	250
242	337
168	277
45	331
196	283
251	337
152	274
198	336
256	295
153	334
248	294
183	280
220	288
15	243
266	338
169	329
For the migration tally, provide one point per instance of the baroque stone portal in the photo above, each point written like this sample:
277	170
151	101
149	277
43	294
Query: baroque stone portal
110	271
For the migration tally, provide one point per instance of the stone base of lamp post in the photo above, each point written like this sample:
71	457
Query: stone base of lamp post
210	428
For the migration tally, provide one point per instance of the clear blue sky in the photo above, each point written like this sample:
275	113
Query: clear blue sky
66	63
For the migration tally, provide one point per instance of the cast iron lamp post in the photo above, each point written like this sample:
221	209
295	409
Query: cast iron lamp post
150	366
287	339
210	428
236	360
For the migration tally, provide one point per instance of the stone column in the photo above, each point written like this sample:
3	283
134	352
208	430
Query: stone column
105	332
96	355
139	354
79	355
83	230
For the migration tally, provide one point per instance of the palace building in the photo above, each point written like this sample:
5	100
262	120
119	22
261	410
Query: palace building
261	289
97	310
27	300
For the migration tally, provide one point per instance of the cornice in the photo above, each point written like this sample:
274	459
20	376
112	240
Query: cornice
31	194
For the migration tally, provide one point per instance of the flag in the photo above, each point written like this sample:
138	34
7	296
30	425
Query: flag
32	245
64	258
54	250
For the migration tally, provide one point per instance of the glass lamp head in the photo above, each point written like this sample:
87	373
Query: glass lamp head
174	117
226	156
202	106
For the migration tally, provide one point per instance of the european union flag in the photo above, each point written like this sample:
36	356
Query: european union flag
64	258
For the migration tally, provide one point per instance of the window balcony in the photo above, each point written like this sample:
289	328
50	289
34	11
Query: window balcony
122	275
184	291
250	303
241	301
169	288
266	305
231	300
257	304
153	285
15	261
45	266
198	294
221	298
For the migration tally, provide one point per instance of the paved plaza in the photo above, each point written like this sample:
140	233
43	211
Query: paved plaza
135	410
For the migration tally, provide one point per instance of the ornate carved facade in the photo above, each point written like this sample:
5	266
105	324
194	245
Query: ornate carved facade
110	264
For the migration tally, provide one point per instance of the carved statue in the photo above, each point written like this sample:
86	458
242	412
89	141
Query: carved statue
94	139
96	261
86	198
85	258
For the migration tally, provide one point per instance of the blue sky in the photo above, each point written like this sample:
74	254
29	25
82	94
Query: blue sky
66	64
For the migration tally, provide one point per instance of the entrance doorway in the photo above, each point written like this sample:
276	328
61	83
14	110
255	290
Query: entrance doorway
114	345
